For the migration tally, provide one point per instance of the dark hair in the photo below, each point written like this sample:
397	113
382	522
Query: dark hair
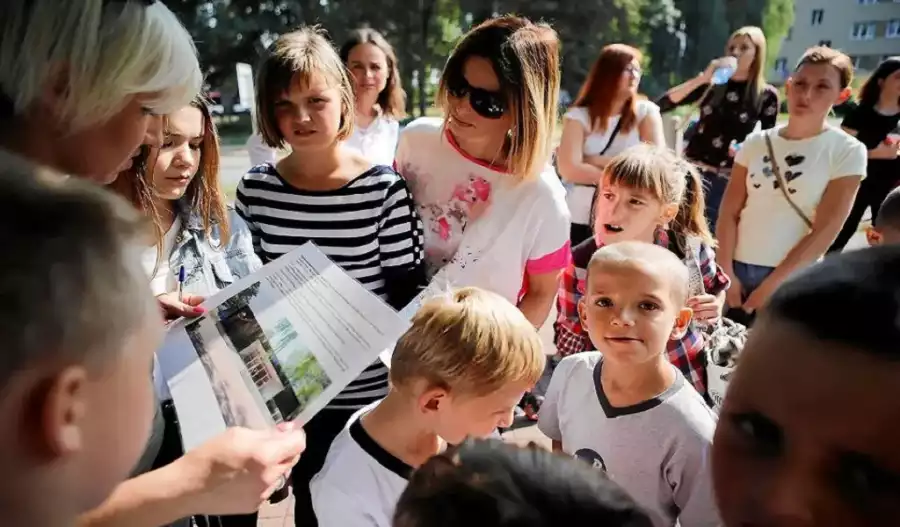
490	483
889	212
832	57
392	98
69	255
851	298
602	85
871	90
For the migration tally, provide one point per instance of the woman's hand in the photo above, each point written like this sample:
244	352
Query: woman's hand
706	308
759	297
236	472
734	298
885	150
188	306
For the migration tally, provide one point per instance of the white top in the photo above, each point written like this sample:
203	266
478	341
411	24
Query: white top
769	227
580	196
492	228
360	482
165	280
376	142
657	450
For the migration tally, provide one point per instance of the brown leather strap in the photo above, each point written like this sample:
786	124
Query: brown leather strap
782	184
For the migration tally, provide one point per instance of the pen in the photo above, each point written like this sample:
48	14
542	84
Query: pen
181	284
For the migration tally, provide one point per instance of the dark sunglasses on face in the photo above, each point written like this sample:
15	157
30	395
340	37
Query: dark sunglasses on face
486	103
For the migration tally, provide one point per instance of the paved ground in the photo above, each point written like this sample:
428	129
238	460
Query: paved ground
234	164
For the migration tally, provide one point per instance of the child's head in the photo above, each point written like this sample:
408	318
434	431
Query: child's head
493	484
633	301
885	229
304	95
79	329
809	429
646	188
821	80
466	362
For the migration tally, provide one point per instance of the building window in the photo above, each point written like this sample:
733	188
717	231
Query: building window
817	16
790	33
867	2
855	60
893	28
863	31
826	43
781	65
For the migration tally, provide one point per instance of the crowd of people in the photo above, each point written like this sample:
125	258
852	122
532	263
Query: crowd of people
109	160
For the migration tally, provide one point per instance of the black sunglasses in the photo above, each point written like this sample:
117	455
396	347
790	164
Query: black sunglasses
486	103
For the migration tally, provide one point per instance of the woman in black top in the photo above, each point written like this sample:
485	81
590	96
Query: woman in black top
872	122
728	112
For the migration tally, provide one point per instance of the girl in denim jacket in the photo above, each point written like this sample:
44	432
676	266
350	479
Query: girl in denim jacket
177	187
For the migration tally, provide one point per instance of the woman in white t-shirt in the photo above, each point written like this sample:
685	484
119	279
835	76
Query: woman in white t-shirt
494	210
768	229
380	100
606	119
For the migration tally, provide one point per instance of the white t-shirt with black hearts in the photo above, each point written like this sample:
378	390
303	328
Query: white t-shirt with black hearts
769	227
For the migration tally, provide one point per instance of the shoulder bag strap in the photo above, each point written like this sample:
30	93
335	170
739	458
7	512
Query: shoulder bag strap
612	137
782	184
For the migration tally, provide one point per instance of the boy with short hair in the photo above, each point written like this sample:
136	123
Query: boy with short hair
626	409
809	430
885	229
459	371
78	331
489	483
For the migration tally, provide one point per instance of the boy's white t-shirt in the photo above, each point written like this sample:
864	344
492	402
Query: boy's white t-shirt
579	197
360	482
656	450
522	226
769	227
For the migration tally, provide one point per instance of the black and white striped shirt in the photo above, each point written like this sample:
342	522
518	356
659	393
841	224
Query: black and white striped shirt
369	227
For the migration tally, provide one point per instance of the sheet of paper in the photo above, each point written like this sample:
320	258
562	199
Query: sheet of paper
275	346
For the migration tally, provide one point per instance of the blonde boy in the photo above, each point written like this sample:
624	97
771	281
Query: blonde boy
458	372
625	409
78	331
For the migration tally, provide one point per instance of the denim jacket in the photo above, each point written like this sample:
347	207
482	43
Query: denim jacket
208	267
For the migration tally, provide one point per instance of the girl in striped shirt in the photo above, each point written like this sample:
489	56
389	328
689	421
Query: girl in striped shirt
358	214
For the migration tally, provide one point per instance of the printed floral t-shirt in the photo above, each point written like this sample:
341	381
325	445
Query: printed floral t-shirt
494	229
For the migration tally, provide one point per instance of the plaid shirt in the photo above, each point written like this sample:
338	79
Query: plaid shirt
571	337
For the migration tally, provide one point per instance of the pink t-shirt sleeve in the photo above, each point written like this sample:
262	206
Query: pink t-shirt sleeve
550	251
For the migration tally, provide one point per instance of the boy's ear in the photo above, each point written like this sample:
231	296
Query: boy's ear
61	407
582	311
682	321
873	236
432	399
845	94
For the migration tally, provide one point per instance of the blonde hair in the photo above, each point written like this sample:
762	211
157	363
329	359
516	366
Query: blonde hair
525	57
294	59
671	180
471	341
105	52
648	255
756	81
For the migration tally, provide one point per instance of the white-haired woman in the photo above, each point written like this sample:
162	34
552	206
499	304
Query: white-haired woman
83	85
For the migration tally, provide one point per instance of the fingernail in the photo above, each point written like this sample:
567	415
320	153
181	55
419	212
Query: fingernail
199	310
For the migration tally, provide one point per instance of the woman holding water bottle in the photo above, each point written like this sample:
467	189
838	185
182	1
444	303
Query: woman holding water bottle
733	97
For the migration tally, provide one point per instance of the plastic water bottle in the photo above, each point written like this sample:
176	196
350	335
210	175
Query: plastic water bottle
722	75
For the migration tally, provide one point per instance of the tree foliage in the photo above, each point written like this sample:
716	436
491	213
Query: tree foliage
678	37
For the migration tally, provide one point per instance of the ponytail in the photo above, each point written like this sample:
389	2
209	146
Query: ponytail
691	217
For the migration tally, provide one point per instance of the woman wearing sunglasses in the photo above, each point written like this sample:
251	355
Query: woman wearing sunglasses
607	118
494	211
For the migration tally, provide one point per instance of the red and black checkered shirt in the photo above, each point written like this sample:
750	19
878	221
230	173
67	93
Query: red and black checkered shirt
572	338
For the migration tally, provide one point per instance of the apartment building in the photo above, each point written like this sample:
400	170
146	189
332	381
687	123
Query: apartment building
867	30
